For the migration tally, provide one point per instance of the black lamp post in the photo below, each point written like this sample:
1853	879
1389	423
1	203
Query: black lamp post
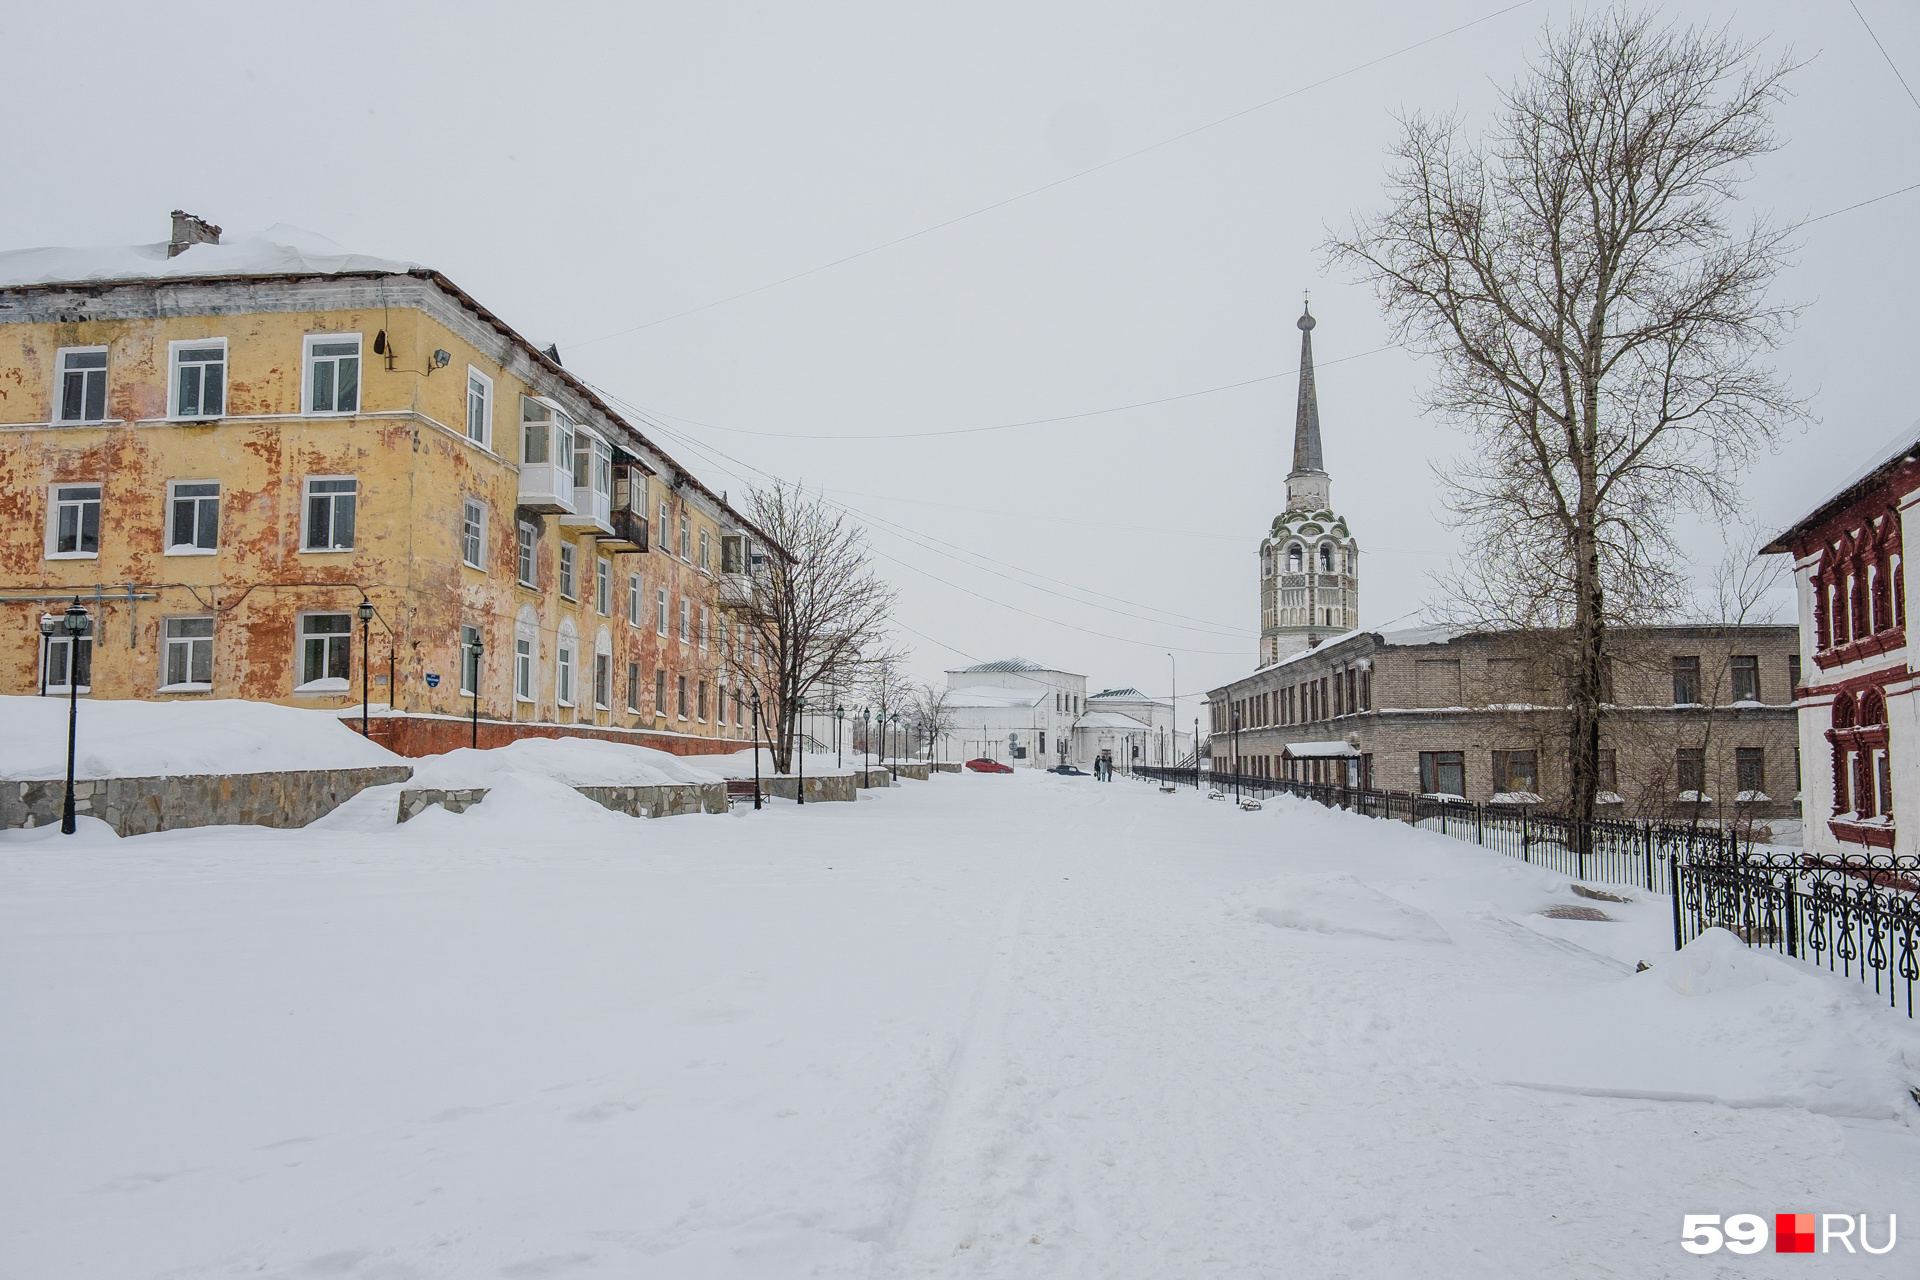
1234	748
48	625
866	737
756	748
366	628
800	748
477	647
893	748
1196	753
78	626
839	714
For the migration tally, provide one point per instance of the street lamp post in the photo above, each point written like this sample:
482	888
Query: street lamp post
48	625
1173	718
366	628
1234	749
800	711
477	647
78	626
892	746
1196	753
756	748
866	737
839	714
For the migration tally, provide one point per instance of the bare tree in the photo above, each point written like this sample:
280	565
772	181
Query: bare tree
806	614
930	710
882	678
1598	324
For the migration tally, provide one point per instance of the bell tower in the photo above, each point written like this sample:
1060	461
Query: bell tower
1309	562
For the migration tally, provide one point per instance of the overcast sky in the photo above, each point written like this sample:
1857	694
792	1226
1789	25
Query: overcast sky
594	173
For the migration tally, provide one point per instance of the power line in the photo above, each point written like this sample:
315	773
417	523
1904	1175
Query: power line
1883	53
1057	182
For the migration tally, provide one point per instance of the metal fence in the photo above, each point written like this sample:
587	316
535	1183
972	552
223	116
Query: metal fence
1858	915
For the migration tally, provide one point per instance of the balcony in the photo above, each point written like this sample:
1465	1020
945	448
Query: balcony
592	510
546	488
592	484
629	533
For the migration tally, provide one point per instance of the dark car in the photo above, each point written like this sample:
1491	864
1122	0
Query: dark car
1068	771
984	765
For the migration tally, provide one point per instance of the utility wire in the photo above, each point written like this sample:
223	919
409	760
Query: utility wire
1057	182
1883	53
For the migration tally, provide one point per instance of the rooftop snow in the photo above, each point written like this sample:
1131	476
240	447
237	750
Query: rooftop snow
279	250
1007	665
1108	720
1320	750
1116	693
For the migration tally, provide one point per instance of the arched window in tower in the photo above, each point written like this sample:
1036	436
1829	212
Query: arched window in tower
1295	558
1326	557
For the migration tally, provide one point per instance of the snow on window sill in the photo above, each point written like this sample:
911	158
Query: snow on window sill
1695	797
326	684
188	549
1516	797
73	555
61	690
186	688
1607	797
1447	796
1753	797
326	551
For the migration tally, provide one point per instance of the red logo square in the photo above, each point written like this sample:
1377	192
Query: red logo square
1793	1233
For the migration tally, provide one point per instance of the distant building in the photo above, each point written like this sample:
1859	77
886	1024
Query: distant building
1022	713
1858	729
1699	720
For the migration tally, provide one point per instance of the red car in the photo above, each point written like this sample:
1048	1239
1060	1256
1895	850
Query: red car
984	765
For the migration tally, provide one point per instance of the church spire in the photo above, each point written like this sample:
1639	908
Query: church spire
1308	486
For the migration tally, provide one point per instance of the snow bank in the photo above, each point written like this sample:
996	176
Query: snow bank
740	764
1341	904
577	762
281	249
127	738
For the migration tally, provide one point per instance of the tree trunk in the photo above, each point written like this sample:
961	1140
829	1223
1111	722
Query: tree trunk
1590	640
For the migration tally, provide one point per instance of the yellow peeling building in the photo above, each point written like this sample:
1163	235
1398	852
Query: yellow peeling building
225	449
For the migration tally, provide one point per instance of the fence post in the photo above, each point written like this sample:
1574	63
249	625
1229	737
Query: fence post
1793	919
1646	839
1673	879
1526	836
1582	837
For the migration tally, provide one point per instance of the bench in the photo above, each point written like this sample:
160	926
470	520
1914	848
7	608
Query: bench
739	789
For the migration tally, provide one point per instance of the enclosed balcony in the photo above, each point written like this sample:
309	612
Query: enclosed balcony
592	485
546	459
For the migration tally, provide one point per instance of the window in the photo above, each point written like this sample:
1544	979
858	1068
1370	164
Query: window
1686	681
523	669
83	385
1750	768
1793	675
567	589
76	520
664	529
686	536
702	704
1296	558
1883	776
333	373
479	407
681	702
633	599
1690	766
59	649
660	691
194	524
326	652
527	539
563	673
720	703
1443	773
1746	679
660	610
330	513
602	680
1326	557
1515	772
199	378
703	628
686	620
633	688
603	587
706	551
732	554
473	534
188	661
469	662
1609	771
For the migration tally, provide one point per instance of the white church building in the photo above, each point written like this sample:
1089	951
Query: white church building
1028	715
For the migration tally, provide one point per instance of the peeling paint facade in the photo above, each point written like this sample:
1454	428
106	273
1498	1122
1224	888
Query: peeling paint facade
224	468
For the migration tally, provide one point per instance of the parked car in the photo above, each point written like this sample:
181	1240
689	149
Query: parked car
984	765
1068	771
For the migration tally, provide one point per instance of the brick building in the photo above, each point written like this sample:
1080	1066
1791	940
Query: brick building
1701	719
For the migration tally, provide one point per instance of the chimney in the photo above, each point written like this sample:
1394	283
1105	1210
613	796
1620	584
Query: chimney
189	231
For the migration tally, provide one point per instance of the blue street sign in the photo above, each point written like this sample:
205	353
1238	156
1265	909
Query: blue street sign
433	680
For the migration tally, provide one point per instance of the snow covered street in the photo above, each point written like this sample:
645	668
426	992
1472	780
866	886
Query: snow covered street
984	1025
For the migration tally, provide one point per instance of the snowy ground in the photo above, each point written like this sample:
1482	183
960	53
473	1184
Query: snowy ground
985	1025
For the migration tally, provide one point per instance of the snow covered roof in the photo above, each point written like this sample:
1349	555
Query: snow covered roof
1890	455
1437	634
1116	693
1109	720
1007	665
280	250
994	697
1320	750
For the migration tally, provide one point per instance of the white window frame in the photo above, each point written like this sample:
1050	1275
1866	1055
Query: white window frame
660	610
53	519
603	690
167	643
46	660
569	571
473	512
603	586
306	505
686	537
307	343
300	638
468	634
60	388
564	674
174	348
703	628
524	656
192	548
686	620
706	552
485	438
526	555
636	592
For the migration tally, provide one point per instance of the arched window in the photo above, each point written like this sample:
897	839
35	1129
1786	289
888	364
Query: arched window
1843	711
1326	557
1296	558
1873	708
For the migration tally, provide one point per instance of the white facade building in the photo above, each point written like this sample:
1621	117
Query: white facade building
1027	715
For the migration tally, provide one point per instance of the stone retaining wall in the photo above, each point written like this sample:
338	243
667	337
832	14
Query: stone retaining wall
819	790
137	806
665	801
872	778
947	766
920	772
418	800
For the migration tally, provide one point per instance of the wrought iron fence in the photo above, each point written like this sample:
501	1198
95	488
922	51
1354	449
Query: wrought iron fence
1857	915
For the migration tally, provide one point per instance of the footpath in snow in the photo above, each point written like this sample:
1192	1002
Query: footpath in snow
979	1026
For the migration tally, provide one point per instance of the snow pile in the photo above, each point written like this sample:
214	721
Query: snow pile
1341	904
818	764
127	738
576	762
281	249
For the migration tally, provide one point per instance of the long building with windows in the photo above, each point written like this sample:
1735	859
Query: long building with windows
232	453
